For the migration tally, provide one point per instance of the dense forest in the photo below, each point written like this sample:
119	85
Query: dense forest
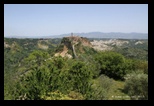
32	71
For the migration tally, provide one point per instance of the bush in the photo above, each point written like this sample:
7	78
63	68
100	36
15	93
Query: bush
76	95
112	64
136	85
101	88
79	76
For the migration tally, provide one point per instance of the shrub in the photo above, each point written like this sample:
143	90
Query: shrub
79	76
101	88
136	85
112	64
76	95
56	95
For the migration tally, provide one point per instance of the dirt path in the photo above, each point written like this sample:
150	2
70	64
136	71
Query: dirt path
74	51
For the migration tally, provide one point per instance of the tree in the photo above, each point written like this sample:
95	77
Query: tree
40	80
80	77
111	64
36	58
35	83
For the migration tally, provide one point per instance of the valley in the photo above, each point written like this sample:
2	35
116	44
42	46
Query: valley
75	68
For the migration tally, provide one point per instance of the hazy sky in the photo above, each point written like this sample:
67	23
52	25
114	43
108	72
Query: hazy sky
54	19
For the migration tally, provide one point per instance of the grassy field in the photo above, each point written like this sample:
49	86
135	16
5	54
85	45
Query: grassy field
117	91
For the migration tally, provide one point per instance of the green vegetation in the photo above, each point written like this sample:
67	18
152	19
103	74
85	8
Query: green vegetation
112	64
101	88
139	89
134	51
32	73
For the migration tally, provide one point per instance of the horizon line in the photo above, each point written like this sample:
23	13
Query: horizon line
74	33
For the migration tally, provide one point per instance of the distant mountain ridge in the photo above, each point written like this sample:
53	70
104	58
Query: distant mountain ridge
115	35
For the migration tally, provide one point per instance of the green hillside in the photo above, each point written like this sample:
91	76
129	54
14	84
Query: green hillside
72	69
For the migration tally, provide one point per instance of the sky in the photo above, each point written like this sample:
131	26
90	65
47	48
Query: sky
55	19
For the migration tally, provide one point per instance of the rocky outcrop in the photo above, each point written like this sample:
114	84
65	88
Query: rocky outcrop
67	48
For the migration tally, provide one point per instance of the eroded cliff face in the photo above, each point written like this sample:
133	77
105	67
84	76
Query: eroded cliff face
70	45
